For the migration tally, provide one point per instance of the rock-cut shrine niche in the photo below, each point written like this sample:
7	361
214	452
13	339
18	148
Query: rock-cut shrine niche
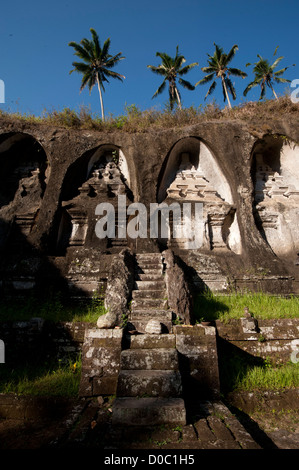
192	175
104	176
276	197
23	179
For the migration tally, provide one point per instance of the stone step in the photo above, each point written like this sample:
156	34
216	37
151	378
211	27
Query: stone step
146	294
145	266
149	276
148	411
149	270
147	341
139	324
150	285
151	383
151	313
149	257
144	303
149	359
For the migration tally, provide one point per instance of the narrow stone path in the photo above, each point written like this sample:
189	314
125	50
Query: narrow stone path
149	300
149	386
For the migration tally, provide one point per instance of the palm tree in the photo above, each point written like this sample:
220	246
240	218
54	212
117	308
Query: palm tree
97	63
265	75
170	68
218	68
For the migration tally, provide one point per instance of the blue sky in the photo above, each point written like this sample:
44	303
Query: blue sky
35	58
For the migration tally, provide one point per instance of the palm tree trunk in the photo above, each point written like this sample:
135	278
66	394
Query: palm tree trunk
178	97
101	98
273	92
225	89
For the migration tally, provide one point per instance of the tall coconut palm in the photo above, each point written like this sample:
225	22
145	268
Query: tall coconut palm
97	63
218	68
265	75
170	69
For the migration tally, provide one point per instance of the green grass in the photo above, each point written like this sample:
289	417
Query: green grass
239	370
54	379
269	378
209	306
52	308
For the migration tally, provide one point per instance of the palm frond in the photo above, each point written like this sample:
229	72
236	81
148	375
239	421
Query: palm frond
230	87
276	63
96	43
206	79
211	89
209	69
160	89
80	67
84	81
281	80
112	74
113	60
237	72
280	72
105	50
231	54
158	70
186	84
88	46
251	85
218	52
80	51
186	69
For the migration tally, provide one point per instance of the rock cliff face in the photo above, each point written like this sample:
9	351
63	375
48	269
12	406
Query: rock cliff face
243	178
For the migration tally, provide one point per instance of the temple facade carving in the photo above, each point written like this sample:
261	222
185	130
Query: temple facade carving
104	184
191	183
276	197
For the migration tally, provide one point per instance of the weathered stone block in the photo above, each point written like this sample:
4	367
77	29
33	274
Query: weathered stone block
149	359
152	341
152	383
104	385
148	411
189	330
100	361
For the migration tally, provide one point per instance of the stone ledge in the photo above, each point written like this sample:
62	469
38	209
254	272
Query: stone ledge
104	333
149	411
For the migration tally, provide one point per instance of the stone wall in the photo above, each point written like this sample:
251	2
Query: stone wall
39	340
100	361
53	178
276	339
197	348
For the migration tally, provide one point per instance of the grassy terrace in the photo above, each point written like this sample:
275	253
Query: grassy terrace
237	371
209	306
136	120
52	309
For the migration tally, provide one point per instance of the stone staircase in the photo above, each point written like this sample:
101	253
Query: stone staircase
149	298
149	385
